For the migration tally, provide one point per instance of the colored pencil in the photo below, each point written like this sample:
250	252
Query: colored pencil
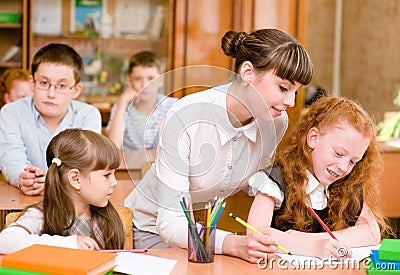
216	218
194	234
239	220
215	210
321	222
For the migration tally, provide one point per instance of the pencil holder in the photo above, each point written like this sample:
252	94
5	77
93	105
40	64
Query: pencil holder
201	243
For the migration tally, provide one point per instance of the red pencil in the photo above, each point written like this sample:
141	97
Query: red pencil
321	222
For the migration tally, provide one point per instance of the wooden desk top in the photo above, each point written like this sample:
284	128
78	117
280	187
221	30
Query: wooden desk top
133	164
12	198
230	265
134	159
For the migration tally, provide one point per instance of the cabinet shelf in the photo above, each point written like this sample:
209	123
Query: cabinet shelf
88	37
11	26
15	32
10	64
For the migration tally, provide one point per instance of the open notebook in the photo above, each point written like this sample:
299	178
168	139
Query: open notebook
359	253
142	264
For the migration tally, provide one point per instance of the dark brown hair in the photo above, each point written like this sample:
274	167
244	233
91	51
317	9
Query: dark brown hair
145	59
269	49
59	54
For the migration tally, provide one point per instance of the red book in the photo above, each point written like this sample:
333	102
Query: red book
60	261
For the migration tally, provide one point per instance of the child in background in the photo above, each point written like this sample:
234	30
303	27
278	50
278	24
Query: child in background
28	125
75	211
331	163
14	85
137	125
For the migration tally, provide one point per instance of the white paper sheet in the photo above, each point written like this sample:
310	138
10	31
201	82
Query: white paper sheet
142	264
359	253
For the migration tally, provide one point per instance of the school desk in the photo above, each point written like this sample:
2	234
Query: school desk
230	265
12	198
133	163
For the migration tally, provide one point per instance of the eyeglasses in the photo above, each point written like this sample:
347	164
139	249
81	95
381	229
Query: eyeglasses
61	88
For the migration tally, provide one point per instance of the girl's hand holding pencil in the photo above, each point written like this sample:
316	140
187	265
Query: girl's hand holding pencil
339	250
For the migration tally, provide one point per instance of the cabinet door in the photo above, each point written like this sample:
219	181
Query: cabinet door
198	28
15	34
289	16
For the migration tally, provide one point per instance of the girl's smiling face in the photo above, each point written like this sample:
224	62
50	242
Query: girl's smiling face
335	152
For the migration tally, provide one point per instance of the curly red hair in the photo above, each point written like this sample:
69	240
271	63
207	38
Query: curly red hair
295	158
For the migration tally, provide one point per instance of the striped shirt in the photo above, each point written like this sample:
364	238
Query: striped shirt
142	131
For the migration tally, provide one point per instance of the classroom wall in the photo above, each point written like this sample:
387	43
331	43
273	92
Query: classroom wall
370	56
319	41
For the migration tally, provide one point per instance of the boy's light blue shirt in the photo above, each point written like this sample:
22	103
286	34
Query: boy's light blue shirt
24	136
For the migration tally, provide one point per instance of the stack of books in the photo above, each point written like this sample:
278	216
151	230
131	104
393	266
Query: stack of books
386	260
45	259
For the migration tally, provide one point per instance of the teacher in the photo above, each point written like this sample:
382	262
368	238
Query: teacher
212	141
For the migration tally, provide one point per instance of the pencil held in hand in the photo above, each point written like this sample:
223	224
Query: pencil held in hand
321	222
239	220
342	251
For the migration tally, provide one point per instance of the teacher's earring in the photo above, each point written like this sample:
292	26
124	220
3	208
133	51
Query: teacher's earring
79	189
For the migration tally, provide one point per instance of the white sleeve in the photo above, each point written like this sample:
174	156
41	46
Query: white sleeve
27	231
260	182
172	170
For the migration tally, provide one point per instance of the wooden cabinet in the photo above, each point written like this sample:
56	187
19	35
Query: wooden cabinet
15	36
197	29
114	51
117	45
191	34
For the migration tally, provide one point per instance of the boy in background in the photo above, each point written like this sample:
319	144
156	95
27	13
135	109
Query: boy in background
28	125
136	118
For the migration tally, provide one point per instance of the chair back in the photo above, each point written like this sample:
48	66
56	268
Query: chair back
12	217
125	214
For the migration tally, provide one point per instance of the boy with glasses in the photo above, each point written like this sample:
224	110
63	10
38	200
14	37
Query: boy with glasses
28	125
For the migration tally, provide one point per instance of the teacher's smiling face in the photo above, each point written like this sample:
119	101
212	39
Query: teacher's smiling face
268	95
276	95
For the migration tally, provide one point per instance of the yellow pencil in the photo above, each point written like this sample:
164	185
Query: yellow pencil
207	224
239	220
